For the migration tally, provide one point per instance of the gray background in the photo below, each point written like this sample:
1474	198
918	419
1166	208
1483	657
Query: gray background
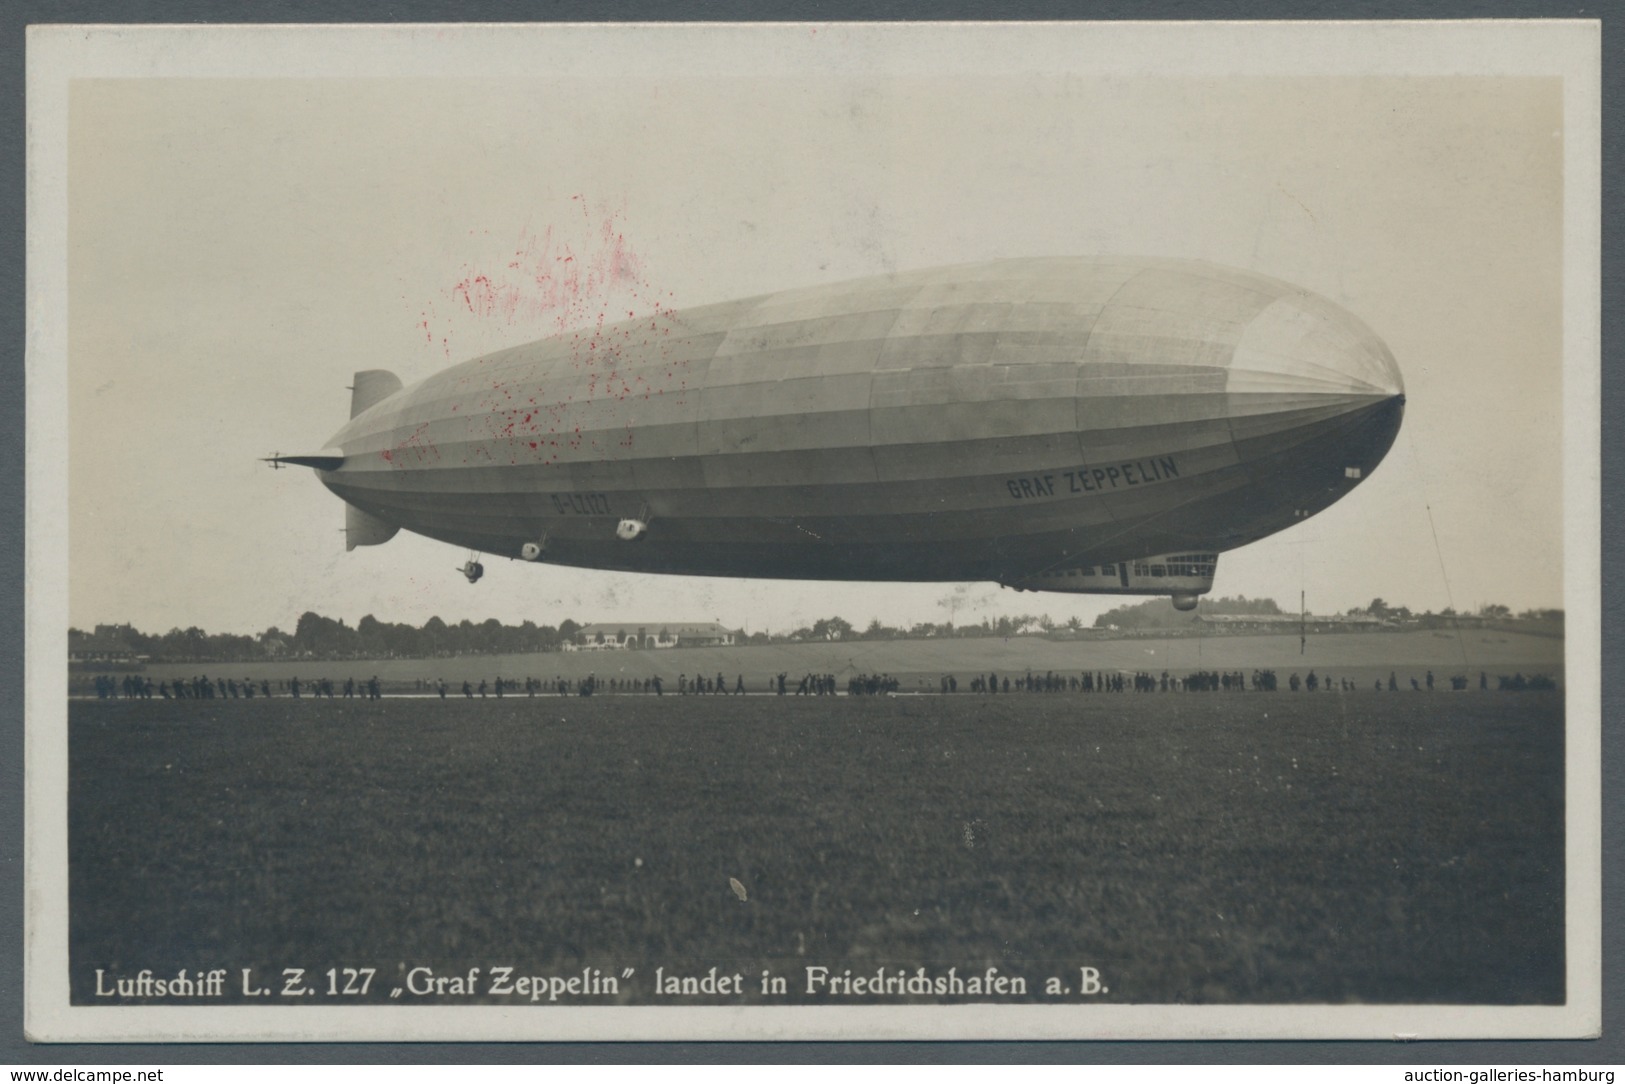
238	247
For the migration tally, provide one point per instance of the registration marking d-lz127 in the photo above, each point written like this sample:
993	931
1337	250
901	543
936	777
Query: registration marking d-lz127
581	504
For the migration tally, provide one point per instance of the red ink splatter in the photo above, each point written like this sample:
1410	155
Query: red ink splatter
562	280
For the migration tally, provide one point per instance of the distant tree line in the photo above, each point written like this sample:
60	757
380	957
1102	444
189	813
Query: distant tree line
838	628
317	637
1488	613
1157	613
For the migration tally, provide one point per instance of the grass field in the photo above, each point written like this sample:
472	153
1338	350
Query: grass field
1360	656
1195	848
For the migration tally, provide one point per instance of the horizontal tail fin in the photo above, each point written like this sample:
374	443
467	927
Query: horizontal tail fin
325	461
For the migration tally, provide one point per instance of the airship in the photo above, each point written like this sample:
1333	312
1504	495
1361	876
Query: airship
1088	424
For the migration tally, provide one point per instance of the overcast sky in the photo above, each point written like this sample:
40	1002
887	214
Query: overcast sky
239	247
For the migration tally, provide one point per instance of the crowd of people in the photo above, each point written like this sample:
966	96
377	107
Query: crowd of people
202	687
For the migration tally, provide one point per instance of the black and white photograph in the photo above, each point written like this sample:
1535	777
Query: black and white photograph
813	531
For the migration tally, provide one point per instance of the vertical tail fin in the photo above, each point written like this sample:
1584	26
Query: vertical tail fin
372	386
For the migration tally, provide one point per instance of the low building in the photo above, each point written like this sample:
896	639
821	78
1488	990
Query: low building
648	636
106	647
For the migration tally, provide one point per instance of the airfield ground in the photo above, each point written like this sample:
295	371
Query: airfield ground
1207	848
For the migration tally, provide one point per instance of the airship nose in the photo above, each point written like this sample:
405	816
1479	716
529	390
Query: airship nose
1370	432
1316	398
1303	343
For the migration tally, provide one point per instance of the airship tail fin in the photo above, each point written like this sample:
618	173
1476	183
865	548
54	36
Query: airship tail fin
372	386
364	529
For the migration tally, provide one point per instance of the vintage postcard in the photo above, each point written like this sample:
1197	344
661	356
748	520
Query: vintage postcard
813	531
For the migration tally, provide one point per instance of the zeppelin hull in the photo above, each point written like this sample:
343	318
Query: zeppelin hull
996	421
